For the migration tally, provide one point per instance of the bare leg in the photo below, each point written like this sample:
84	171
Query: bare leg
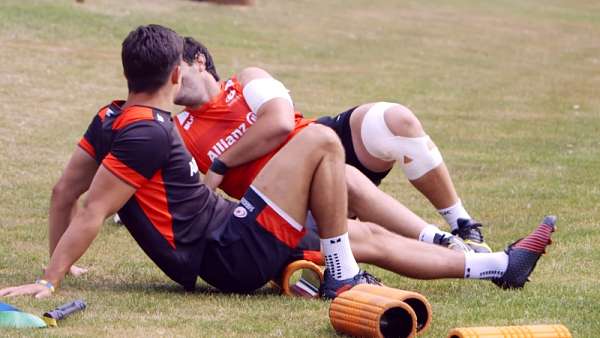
309	172
374	245
436	185
370	204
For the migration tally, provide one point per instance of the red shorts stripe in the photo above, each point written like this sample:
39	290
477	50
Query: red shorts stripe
271	221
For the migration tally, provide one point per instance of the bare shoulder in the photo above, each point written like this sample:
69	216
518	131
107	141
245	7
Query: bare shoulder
252	73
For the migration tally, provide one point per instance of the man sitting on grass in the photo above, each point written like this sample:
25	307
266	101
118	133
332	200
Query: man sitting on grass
131	160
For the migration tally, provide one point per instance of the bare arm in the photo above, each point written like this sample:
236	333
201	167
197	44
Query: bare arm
106	195
274	122
75	180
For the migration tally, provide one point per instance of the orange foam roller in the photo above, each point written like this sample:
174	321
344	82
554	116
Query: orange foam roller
307	285
525	331
362	314
416	301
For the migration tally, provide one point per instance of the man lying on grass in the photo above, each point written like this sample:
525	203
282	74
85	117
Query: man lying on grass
238	125
131	160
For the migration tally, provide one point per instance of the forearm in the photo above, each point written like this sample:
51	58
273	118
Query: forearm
60	214
74	181
260	139
72	244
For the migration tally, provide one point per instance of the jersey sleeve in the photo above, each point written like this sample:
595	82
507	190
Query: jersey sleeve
89	141
138	152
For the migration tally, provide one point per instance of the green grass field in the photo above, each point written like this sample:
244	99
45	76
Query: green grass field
509	90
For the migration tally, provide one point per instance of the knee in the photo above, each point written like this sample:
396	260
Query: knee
377	232
402	122
361	234
370	234
366	239
324	138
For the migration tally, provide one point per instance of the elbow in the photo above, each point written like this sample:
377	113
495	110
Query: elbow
66	192
62	194
279	136
284	129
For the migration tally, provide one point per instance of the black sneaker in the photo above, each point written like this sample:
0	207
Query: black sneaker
469	231
332	287
451	242
524	254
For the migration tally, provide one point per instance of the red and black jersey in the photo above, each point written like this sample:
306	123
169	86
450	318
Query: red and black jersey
171	215
215	126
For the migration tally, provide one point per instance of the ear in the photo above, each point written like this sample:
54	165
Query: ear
201	60
176	75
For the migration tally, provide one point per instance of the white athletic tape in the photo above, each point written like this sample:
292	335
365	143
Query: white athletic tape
381	143
259	91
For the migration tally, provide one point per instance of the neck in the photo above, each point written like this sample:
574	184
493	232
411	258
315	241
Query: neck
161	99
212	87
209	89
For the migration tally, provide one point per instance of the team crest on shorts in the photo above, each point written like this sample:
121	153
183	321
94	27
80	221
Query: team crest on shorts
240	212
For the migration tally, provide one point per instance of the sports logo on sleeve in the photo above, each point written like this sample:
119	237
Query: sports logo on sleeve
193	167
185	119
231	94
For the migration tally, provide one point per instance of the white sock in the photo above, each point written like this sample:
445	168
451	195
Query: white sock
428	233
339	259
485	265
451	214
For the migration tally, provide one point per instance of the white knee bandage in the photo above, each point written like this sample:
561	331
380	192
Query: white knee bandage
412	153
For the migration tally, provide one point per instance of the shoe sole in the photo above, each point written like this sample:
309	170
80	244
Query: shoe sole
479	247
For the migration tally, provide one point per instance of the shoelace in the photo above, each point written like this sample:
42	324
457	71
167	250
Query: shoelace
441	239
369	278
471	232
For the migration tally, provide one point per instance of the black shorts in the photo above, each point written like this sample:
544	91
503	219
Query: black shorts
255	245
341	125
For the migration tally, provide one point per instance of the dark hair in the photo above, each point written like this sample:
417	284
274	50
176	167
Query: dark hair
191	48
149	54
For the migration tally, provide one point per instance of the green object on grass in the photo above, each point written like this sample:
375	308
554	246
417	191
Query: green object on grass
15	318
20	320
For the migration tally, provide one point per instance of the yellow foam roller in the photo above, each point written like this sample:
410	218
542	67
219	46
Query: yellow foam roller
525	331
415	300
361	314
